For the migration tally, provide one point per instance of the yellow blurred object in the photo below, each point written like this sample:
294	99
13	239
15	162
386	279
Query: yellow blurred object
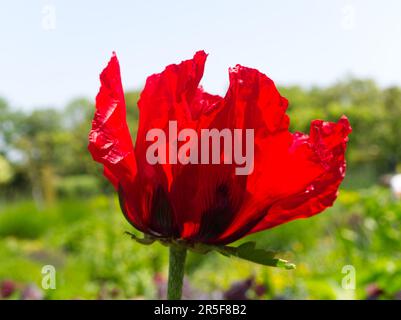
6	171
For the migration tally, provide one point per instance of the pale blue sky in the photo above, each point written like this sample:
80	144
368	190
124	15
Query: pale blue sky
294	42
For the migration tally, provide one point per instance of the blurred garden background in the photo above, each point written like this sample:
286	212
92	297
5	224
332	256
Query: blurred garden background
57	209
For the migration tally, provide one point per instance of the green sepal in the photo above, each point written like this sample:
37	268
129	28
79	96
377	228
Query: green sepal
246	251
146	240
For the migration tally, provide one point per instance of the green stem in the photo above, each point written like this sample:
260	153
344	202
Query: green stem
176	272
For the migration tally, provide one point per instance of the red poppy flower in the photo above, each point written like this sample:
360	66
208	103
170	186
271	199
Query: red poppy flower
294	175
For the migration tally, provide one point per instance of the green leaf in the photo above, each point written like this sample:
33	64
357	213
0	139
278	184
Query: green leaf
146	240
248	251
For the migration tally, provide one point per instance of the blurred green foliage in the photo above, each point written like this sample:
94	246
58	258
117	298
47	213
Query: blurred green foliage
85	242
56	208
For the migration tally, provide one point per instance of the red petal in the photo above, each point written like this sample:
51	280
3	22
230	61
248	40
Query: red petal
327	140
174	94
252	101
167	96
110	142
206	198
285	164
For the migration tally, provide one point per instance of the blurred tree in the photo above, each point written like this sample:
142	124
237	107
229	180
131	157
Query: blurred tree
374	115
39	138
77	118
392	127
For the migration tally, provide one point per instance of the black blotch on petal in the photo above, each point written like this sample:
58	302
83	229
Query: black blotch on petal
218	216
161	220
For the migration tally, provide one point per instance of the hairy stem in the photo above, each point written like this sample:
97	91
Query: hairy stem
176	272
